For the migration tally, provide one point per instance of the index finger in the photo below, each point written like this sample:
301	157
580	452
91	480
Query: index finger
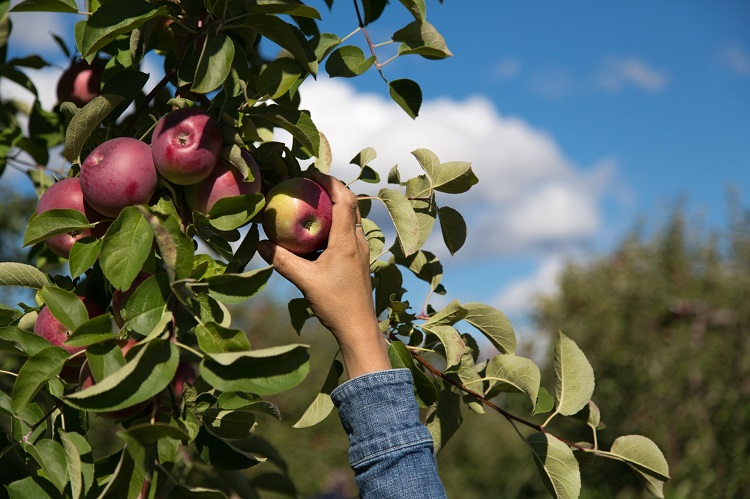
345	206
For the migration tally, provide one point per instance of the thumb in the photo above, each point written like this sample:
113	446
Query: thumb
286	263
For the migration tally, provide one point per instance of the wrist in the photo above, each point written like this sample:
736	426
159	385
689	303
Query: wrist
365	355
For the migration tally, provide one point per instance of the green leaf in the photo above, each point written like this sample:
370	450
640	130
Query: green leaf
278	77
425	266
229	424
53	222
213	338
31	487
508	372
51	458
34	374
264	372
220	453
299	313
424	389
146	306
289	7
557	465
407	94
83	255
125	247
645	458
348	61
404	219
143	377
451	340
112	19
297	123
68	6
15	338
493	324
323	45
214	63
322	406
443	420
104	359
65	306
449	315
453	177
79	460
286	36
417	8
176	248
453	227
236	288
92	331
375	238
575	377
233	212
86	120
22	275
150	433
544	402
421	38
126	480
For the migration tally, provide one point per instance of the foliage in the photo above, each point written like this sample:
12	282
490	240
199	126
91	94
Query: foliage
197	442
666	319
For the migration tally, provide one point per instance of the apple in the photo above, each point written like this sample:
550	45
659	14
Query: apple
186	144
224	181
297	215
67	194
118	173
81	82
47	326
119	298
185	374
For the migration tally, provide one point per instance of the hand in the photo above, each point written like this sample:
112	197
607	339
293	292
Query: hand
337	284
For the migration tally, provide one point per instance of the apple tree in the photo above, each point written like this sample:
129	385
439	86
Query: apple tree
137	329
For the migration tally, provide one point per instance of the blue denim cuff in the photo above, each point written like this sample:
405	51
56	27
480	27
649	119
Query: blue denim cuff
380	414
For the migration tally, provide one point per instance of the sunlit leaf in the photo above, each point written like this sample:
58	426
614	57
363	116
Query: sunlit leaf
575	377
557	465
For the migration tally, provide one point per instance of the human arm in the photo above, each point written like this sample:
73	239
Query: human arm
391	451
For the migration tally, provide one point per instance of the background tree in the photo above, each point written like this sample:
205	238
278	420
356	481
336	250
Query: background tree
666	314
137	336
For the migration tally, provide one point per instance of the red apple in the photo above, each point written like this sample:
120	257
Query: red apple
185	374
297	215
120	297
224	181
186	144
47	326
66	194
81	82
118	173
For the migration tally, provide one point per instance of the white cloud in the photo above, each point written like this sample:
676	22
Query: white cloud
530	196
518	297
735	58
618	73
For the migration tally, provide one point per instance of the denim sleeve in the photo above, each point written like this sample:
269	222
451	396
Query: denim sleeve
390	450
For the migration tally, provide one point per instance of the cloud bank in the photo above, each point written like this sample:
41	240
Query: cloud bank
530	197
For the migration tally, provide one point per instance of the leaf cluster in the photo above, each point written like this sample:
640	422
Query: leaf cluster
180	271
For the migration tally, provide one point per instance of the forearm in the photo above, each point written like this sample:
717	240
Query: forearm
391	452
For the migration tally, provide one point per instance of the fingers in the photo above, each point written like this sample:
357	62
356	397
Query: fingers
286	263
345	208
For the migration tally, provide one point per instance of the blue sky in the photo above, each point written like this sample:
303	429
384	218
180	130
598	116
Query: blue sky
578	117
